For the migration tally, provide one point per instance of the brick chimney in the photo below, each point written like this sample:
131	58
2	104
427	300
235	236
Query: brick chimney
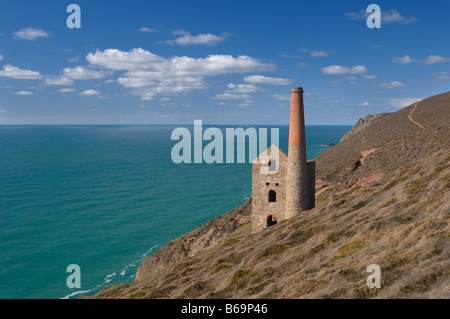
297	170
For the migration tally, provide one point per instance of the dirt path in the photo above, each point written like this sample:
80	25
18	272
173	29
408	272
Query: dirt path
364	154
411	113
363	141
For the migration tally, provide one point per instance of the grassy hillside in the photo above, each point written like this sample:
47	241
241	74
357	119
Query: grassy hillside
382	196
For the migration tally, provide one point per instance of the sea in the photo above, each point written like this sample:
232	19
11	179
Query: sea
105	197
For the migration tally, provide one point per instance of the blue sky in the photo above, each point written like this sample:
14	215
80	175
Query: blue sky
223	62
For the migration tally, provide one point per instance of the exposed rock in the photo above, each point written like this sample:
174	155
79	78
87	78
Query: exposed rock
204	237
362	123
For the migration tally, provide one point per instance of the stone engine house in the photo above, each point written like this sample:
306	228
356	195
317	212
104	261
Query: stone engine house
283	185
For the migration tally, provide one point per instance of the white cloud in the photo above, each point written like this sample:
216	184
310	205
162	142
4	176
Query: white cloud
302	65
74	59
404	60
31	34
391	85
290	56
261	79
434	59
281	97
66	90
229	96
136	59
337	70
246	103
140	62
186	38
316	54
24	93
81	73
2	111
438	77
13	72
145	95
147	30
336	84
365	104
58	81
243	88
356	16
403	102
390	16
150	74
369	76
311	94
1	57
90	92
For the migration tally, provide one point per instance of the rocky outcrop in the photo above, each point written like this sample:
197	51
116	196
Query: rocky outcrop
209	235
362	123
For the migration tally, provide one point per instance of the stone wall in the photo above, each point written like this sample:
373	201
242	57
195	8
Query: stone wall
296	181
262	184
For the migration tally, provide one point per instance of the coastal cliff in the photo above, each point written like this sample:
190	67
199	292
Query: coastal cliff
209	235
382	197
362	123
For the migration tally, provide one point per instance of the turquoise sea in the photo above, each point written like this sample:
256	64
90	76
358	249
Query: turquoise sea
104	197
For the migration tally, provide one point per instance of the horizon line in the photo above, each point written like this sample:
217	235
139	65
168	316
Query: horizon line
163	124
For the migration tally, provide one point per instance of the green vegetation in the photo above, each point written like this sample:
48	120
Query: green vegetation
365	292
301	236
220	267
390	202
231	258
421	285
322	199
438	170
358	205
242	278
242	231
334	236
350	248
273	250
351	274
318	248
396	262
338	203
415	187
392	183
435	252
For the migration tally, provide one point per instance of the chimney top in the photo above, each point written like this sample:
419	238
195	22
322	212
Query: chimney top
297	90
